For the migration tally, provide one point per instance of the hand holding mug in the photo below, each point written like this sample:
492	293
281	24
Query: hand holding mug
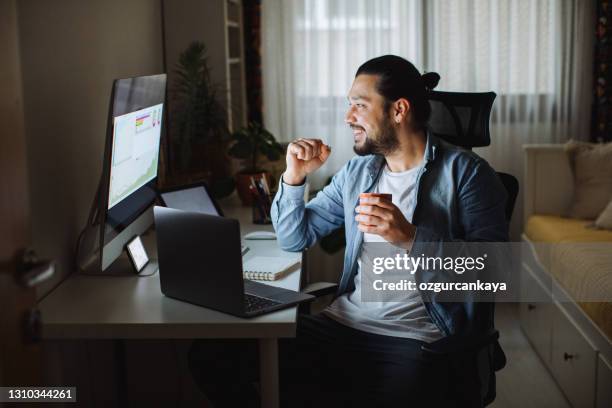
378	215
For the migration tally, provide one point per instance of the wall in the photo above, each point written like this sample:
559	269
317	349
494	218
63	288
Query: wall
19	362
71	52
183	21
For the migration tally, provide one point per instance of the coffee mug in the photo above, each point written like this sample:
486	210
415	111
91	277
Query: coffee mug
383	196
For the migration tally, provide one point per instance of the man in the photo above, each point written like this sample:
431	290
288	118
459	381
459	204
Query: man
439	193
362	353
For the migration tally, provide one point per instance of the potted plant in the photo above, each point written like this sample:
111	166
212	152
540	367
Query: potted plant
250	142
200	131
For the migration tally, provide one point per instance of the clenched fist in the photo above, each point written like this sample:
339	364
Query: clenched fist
303	157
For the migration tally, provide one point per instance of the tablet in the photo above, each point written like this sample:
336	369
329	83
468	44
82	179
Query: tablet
194	197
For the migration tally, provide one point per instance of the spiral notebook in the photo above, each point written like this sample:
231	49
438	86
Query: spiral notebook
267	267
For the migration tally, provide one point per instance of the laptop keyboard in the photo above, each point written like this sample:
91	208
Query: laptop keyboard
253	303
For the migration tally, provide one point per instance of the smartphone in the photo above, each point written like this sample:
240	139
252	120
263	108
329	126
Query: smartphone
137	254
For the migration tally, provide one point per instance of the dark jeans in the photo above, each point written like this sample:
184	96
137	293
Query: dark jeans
329	364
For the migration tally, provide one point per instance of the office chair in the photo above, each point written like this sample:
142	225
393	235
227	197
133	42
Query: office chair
462	119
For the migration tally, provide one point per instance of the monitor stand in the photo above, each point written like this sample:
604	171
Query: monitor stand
122	266
93	257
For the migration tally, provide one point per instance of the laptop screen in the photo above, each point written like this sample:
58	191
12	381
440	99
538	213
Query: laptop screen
194	199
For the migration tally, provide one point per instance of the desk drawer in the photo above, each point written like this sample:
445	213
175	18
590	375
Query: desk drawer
573	361
536	317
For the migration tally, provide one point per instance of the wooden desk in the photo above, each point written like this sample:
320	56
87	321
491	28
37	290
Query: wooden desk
132	307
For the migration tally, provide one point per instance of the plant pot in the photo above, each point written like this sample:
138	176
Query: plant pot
243	181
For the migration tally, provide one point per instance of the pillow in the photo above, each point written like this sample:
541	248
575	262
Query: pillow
591	164
605	218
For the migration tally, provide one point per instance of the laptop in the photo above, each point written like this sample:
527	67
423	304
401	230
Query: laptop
193	197
200	262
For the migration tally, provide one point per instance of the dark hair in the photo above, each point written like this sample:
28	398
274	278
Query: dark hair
398	78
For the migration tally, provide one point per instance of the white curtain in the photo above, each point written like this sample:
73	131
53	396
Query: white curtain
536	55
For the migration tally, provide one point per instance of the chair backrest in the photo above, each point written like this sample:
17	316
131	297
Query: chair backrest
462	119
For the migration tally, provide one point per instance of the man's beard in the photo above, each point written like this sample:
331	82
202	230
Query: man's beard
385	143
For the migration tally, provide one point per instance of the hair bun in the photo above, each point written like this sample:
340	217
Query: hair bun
430	79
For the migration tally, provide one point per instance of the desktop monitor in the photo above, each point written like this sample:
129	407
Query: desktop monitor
129	179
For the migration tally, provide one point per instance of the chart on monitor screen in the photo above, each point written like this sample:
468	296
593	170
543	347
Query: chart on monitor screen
136	138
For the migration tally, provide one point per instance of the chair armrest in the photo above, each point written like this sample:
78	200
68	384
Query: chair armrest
449	345
319	289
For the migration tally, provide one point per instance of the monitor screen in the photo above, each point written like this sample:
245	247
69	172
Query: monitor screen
135	151
134	131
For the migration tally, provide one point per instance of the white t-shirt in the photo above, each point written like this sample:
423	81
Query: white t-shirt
408	318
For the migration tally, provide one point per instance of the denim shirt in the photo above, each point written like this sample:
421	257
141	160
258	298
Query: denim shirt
459	198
